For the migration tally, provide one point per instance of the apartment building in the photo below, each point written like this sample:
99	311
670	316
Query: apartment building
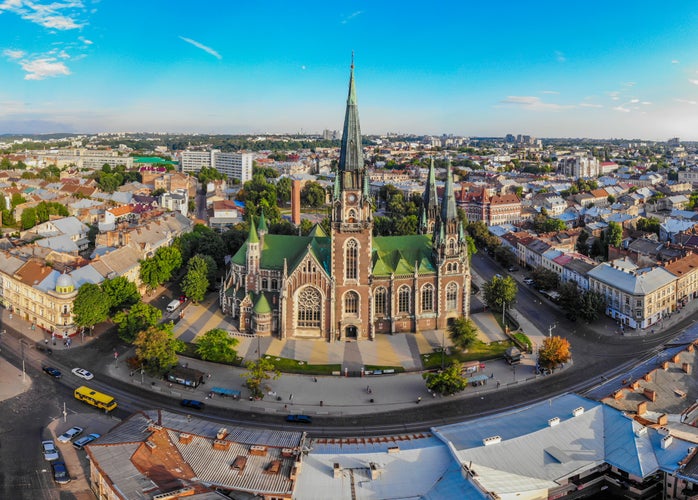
193	161
686	271
579	167
176	201
637	297
493	210
234	165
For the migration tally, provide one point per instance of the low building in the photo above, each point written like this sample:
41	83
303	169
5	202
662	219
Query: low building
637	297
686	272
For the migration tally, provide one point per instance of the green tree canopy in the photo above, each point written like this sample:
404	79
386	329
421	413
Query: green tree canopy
462	332
218	346
499	291
28	218
140	317
257	373
157	348
614	234
313	195
91	305
448	381
121	292
195	283
545	278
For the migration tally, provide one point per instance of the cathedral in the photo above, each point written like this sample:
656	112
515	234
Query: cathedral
349	284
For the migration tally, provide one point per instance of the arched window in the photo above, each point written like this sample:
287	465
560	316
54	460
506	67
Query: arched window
309	302
351	260
379	301
403	300
427	298
451	296
274	284
452	246
352	215
265	283
351	303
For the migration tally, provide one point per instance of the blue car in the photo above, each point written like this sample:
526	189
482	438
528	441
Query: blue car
299	419
192	403
55	373
60	473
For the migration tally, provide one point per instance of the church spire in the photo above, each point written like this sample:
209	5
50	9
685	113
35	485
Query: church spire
448	203
351	155
431	199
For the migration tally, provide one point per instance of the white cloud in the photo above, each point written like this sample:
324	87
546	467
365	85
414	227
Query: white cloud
51	15
352	16
694	82
674	61
42	68
629	84
634	101
560	57
533	103
303	67
646	103
590	105
615	95
687	101
85	40
203	47
13	54
549	92
621	109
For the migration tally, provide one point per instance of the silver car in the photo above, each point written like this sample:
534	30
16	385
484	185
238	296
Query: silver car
50	451
70	434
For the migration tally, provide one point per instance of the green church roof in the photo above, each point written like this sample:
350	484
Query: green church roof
399	254
262	306
276	247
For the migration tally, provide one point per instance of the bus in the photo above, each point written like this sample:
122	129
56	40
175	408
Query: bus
94	398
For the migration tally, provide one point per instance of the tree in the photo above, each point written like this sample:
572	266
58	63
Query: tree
555	350
592	305
500	291
194	285
462	332
313	195
257	372
150	273
121	292
140	317
28	218
218	346
545	278
505	255
614	234
169	260
582	246
283	189
157	348
649	225
448	381
570	299
472	249
91	306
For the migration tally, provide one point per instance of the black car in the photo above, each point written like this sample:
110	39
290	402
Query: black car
193	403
60	473
299	419
55	373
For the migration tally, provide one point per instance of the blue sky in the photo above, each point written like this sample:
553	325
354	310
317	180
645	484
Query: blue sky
548	69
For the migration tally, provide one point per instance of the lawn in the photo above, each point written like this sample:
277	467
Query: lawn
479	351
287	365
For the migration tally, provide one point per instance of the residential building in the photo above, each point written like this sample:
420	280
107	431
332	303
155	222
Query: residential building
579	167
493	210
234	165
348	284
193	161
686	271
637	297
176	201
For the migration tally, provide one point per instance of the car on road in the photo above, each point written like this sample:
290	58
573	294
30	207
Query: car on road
70	434
54	372
299	419
512	269
60	473
49	449
529	281
193	403
83	441
82	373
498	276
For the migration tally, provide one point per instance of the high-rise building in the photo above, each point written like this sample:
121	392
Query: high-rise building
193	161
234	165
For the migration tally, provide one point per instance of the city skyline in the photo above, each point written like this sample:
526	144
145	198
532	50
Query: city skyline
609	71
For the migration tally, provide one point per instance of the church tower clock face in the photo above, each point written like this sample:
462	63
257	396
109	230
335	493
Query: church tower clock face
351	198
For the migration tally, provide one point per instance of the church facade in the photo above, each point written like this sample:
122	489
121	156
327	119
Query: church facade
349	284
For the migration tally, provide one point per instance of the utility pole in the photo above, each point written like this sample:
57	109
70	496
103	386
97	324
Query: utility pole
443	348
504	318
550	329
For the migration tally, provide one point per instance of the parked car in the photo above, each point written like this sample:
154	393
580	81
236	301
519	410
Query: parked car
80	443
529	281
49	449
512	269
498	276
82	373
54	372
70	434
60	473
299	419
193	403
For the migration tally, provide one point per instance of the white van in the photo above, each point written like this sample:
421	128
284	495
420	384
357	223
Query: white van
173	305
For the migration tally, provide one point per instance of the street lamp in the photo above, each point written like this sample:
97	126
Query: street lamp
443	348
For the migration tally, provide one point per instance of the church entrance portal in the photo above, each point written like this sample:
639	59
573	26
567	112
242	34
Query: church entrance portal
352	332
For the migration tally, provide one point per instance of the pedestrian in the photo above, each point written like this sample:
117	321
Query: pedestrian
208	375
498	383
285	407
315	379
321	403
419	399
45	341
492	375
290	397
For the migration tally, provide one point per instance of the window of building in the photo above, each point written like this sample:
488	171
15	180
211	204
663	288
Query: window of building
403	300
351	303
451	296
380	301
427	298
265	283
309	301
274	284
351	260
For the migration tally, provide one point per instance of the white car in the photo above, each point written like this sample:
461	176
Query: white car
82	373
50	451
70	434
